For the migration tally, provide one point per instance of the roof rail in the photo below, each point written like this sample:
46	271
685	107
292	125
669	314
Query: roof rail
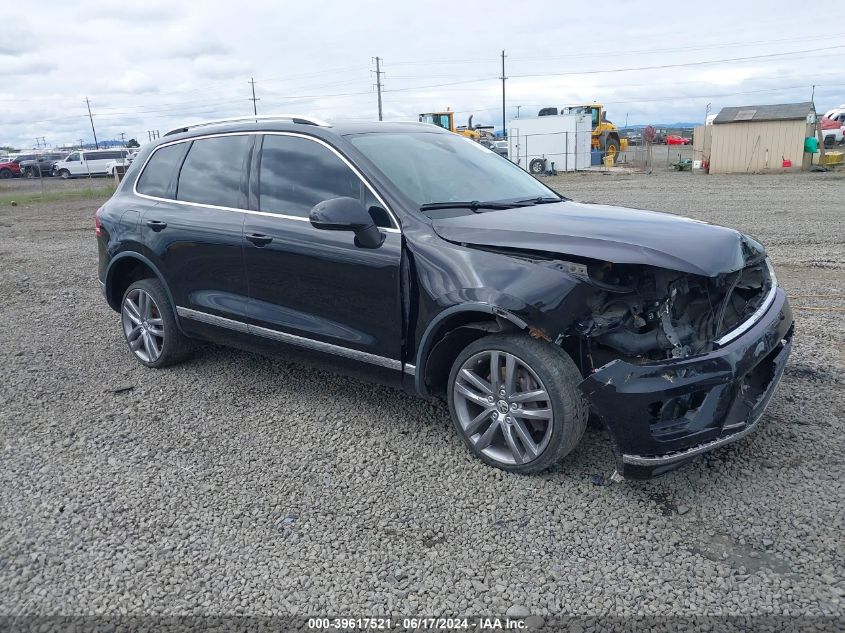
294	118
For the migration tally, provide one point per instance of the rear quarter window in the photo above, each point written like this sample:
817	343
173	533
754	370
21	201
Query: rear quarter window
159	175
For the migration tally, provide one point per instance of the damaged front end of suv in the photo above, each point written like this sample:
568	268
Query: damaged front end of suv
668	369
678	327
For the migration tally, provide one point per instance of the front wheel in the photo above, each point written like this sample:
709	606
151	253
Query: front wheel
612	148
515	402
64	174
5	173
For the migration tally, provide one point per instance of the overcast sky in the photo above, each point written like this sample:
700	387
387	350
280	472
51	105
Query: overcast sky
156	64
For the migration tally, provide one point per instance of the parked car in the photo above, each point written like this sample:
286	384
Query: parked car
833	130
12	167
9	169
121	162
634	137
418	258
674	139
40	166
88	162
501	148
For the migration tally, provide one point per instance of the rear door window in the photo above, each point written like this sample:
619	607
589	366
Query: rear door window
297	173
213	172
159	175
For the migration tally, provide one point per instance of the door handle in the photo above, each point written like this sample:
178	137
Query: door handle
259	239
156	225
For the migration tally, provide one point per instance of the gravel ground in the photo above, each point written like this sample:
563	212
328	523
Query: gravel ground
237	484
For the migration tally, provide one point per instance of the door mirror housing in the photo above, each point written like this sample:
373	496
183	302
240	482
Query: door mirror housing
347	214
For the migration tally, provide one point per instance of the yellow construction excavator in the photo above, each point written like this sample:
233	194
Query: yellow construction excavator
446	120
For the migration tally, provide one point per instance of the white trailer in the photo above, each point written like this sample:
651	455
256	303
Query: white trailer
541	143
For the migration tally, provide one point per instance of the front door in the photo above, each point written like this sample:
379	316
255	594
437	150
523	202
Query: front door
194	227
315	288
73	163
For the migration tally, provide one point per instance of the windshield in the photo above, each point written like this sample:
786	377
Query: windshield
431	167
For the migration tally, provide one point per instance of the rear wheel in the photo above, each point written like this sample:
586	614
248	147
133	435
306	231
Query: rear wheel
515	402
149	325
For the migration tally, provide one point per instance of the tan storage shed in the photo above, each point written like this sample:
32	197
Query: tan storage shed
757	138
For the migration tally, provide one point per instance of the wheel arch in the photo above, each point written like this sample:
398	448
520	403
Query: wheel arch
449	332
126	268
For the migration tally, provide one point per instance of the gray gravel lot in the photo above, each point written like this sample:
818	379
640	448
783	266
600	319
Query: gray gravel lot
239	484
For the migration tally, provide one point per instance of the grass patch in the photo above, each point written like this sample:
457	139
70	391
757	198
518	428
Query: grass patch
58	196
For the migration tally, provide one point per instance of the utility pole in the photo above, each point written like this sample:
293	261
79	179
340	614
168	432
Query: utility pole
813	93
88	103
254	99
503	77
123	138
81	143
626	120
379	73
517	111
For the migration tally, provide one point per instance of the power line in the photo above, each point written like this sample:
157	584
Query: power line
697	47
682	64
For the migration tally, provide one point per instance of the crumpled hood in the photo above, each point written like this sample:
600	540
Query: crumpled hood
614	234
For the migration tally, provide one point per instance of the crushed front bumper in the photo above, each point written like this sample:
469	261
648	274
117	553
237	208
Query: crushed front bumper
662	415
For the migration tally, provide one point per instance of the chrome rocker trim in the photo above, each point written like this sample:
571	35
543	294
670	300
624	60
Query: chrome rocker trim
292	339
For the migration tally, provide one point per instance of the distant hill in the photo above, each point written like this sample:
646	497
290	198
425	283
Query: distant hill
678	124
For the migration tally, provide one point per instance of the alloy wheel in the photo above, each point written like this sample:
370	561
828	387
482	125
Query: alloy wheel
503	407
143	325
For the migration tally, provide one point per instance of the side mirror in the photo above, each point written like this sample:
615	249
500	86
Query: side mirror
347	214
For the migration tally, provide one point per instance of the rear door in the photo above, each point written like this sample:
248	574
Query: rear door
311	287
194	229
98	161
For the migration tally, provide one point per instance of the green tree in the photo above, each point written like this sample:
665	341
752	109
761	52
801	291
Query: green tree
132	143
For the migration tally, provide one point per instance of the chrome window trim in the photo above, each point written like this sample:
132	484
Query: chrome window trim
758	313
392	229
293	339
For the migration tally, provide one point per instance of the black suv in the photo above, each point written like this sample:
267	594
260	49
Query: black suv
419	258
40	166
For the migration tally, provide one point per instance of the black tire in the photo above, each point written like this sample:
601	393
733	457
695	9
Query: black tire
175	346
5	173
537	166
64	174
30	172
611	147
559	377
